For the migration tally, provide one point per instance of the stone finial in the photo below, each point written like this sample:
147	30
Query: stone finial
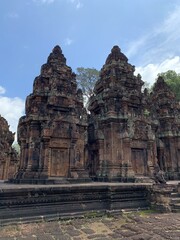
56	55
160	85
116	55
57	50
160	80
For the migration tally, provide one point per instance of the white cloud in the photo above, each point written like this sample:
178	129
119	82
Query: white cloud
68	41
11	109
149	72
2	90
77	3
159	43
135	45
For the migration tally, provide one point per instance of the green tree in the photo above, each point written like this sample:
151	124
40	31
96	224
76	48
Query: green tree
16	147
173	80
86	79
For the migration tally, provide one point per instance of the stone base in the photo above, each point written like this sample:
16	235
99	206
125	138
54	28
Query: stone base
143	179
49	181
172	175
114	179
23	202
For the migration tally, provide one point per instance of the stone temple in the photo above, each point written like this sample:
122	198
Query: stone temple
124	137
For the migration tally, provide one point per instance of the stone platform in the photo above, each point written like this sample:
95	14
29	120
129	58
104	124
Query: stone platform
20	203
32	203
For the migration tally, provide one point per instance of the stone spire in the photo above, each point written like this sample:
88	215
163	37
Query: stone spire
118	75
165	111
162	99
116	55
161	85
56	57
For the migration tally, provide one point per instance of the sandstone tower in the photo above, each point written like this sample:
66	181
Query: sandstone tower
165	111
121	142
52	134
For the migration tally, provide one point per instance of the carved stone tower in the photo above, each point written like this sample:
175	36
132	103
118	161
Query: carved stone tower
165	111
121	143
52	135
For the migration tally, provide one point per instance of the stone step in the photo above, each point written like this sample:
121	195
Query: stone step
175	200
176	211
175	207
175	195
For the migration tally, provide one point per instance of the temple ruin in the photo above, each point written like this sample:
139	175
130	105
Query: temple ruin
127	133
8	156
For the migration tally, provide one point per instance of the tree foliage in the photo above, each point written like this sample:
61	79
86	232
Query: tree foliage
173	80
86	78
16	147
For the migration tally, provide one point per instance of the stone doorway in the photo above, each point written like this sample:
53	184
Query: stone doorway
139	161
59	163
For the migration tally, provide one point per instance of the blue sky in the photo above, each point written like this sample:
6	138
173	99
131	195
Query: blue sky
147	31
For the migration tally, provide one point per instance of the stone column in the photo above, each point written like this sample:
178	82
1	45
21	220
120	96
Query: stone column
173	157
34	134
45	159
151	157
128	172
22	162
102	165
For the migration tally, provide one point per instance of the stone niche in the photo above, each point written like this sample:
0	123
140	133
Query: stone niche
52	134
122	145
8	156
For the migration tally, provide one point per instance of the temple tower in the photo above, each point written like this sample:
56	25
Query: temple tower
121	142
52	134
165	111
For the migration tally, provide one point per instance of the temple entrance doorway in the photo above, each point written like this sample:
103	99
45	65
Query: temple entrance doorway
139	161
